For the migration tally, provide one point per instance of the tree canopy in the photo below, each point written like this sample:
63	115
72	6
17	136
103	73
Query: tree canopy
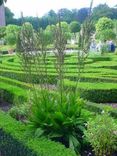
104	23
74	27
105	29
2	1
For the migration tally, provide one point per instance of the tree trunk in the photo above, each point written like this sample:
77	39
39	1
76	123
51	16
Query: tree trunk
2	16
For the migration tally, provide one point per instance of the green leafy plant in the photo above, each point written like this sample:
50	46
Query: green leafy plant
20	112
102	134
11	34
61	122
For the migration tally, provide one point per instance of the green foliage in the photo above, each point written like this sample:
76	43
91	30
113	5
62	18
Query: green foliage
61	122
2	1
26	38
44	38
103	10
104	23
105	30
2	32
74	27
82	14
102	134
98	108
95	92
66	15
107	34
50	28
11	34
20	110
65	30
13	136
9	16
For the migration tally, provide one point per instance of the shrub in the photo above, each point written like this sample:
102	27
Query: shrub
19	111
61	122
102	134
15	142
95	92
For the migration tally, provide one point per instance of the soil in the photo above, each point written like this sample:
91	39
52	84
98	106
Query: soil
5	106
114	105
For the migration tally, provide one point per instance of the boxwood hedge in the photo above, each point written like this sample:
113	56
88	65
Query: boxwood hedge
14	141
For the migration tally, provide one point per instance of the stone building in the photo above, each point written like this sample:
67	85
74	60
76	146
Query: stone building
2	15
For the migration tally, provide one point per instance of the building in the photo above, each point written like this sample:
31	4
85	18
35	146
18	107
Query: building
2	15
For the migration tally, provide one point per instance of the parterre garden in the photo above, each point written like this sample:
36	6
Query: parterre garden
97	85
58	99
98	80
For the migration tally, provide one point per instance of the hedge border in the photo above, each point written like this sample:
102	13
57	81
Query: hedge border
13	136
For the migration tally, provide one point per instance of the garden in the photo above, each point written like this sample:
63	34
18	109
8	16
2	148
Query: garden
58	98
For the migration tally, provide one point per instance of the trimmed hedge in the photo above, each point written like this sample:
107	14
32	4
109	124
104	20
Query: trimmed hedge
101	90
10	93
98	108
95	92
14	141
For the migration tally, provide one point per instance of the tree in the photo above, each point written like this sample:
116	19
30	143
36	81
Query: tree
83	14
2	1
52	17
103	10
100	11
50	29
45	37
2	32
11	34
75	14
9	16
26	38
65	29
104	23
107	34
115	29
74	27
65	15
105	29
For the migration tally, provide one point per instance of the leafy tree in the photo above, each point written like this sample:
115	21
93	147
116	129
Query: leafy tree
65	26
2	32
52	17
115	29
83	14
11	34
100	11
26	37
9	16
65	15
114	13
50	28
65	29
104	29
75	14
103	10
2	1
43	22
104	23
107	34
45	37
74	27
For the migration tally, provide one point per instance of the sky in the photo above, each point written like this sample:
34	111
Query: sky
41	7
